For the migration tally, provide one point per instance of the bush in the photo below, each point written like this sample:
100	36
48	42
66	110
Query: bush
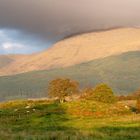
138	105
136	95
87	93
126	97
103	93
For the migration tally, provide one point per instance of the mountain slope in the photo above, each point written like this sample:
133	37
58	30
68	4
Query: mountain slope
78	49
5	60
121	72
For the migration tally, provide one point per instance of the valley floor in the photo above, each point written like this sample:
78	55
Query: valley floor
45	120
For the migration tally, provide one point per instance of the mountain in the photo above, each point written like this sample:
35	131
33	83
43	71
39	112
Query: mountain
76	50
6	60
121	72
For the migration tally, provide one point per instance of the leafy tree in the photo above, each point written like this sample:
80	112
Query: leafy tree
61	88
103	93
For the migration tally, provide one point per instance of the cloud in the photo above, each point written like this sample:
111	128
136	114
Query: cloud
37	24
52	20
13	41
11	46
2	35
17	48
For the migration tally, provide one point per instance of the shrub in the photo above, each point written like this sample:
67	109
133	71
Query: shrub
103	93
126	97
87	93
136	94
138	105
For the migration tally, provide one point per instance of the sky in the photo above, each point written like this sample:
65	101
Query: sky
29	26
13	41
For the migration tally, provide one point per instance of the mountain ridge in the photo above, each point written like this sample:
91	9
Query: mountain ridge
78	49
121	72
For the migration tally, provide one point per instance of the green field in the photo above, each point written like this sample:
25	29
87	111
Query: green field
77	120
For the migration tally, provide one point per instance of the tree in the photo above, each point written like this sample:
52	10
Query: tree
61	88
103	93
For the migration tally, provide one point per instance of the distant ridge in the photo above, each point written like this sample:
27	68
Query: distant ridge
76	50
92	31
121	72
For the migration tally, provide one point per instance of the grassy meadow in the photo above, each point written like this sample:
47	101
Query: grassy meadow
77	120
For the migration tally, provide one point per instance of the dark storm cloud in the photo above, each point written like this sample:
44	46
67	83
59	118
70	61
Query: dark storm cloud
55	19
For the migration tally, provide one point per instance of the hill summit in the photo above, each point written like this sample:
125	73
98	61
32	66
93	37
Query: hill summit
75	50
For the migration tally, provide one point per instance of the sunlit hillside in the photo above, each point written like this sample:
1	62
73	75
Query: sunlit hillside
121	72
78	49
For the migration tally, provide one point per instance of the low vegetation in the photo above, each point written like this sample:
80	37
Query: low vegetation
138	105
92	114
78	120
101	93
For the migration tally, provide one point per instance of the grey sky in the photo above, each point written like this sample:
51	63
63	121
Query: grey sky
51	20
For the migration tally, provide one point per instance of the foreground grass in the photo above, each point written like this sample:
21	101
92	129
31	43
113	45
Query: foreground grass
80	120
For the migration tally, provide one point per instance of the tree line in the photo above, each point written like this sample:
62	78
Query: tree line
61	88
